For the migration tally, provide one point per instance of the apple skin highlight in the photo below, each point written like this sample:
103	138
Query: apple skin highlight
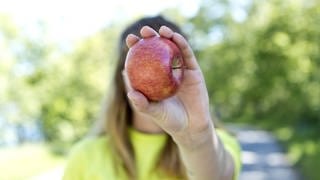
155	67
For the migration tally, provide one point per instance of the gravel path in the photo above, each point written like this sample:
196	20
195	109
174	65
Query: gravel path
262	157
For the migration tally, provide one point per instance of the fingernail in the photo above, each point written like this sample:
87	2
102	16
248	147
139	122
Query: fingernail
133	98
167	28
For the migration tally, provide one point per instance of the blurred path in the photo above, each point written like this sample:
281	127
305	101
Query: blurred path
262	156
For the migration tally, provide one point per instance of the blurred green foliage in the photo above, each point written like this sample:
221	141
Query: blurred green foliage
58	88
261	61
264	70
77	82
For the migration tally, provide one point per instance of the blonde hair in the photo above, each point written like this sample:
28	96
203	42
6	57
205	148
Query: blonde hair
117	115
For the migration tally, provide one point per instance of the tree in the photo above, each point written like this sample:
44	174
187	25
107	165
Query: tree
264	70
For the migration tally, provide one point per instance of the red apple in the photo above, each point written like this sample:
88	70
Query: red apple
155	67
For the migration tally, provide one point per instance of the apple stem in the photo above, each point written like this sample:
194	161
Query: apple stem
176	63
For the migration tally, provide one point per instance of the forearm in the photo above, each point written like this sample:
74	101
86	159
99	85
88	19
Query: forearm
204	156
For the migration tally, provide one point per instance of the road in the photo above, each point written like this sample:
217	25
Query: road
263	157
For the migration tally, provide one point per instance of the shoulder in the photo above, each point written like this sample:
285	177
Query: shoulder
85	153
89	149
89	145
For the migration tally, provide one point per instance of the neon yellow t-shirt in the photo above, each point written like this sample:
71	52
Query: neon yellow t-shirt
91	159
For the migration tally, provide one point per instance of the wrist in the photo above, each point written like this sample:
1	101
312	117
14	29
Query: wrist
191	141
194	147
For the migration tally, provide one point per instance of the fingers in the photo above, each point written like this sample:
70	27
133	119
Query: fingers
166	32
183	45
139	101
187	53
143	105
131	40
126	81
147	32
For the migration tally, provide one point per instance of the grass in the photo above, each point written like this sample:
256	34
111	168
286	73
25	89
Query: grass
26	161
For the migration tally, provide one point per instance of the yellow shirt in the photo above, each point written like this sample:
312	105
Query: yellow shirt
91	159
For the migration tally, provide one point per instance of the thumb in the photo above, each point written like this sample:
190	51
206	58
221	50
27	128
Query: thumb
143	105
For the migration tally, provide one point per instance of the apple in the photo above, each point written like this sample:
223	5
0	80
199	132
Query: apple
155	67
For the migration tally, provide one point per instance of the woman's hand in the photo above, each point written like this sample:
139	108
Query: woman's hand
185	115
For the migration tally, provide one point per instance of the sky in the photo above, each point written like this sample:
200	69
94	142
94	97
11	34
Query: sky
69	20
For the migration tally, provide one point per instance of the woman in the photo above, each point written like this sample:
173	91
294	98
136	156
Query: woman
171	139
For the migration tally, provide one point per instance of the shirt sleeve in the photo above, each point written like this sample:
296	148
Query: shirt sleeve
233	147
